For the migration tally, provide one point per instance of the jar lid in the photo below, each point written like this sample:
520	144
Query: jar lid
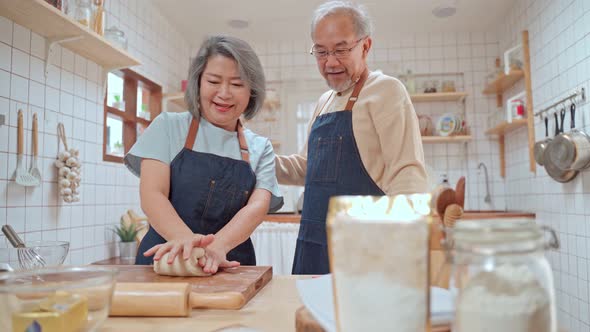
499	236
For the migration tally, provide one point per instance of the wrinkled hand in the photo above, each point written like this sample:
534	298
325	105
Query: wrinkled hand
215	257
175	247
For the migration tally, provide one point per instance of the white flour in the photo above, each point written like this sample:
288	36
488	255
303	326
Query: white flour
379	305
508	299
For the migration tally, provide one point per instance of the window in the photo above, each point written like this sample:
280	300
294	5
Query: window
304	114
131	102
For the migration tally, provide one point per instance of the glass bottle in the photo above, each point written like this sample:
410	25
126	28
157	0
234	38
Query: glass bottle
500	279
83	12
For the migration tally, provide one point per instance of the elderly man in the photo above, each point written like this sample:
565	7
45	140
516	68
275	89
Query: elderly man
363	139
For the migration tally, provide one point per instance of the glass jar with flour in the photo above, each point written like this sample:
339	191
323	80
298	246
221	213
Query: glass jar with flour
500	276
378	250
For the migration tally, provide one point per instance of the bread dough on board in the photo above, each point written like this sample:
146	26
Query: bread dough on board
181	267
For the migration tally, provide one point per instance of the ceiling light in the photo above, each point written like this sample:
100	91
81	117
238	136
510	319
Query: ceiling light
238	24
445	8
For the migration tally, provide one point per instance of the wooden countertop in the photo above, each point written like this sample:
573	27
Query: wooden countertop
272	309
468	215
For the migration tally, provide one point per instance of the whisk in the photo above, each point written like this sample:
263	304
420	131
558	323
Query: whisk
28	258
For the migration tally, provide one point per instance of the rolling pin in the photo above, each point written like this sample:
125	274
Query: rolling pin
167	299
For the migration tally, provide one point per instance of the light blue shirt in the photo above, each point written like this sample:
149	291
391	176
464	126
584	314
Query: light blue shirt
166	135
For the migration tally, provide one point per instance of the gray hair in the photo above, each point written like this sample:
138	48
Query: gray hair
249	66
357	13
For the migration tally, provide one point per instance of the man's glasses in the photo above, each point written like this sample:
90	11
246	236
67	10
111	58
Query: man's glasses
339	53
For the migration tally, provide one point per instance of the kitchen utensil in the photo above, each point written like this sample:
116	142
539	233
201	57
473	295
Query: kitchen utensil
443	198
21	176
244	280
460	192
174	299
28	258
552	169
34	170
452	213
571	151
540	146
56	299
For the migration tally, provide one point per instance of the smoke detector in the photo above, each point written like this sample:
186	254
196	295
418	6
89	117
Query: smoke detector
445	8
238	24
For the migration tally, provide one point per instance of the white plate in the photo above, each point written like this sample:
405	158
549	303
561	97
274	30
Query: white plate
317	296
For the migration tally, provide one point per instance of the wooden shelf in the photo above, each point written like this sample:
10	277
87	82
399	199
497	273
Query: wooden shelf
503	82
176	98
49	22
506	127
437	96
446	139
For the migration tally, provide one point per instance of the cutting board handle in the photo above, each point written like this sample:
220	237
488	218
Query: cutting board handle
221	300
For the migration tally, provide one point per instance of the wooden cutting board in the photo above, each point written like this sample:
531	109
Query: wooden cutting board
247	280
304	322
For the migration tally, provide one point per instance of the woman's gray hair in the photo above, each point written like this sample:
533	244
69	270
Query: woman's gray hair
357	13
249	66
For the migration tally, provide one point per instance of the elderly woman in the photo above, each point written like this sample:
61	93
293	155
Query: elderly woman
205	180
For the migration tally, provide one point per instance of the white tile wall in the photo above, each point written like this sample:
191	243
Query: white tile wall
560	58
72	94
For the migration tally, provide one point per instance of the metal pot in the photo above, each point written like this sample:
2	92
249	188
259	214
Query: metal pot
540	146
571	151
558	174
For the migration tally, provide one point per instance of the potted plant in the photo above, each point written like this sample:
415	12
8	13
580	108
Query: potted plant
118	103
127	232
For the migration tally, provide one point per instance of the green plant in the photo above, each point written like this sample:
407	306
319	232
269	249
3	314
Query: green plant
143	107
117	98
126	231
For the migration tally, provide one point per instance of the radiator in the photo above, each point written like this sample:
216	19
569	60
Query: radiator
274	244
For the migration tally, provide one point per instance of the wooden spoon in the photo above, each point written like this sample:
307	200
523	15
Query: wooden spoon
444	198
460	192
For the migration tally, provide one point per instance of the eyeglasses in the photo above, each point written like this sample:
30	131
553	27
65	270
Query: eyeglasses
339	53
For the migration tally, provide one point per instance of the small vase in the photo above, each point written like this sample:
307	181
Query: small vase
127	250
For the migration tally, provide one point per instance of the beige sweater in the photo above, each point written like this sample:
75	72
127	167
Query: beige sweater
387	134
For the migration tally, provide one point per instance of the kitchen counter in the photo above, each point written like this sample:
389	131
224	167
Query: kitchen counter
272	309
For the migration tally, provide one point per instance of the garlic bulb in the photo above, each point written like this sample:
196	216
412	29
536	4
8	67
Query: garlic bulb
64	155
71	176
72	162
66	191
64	171
59	164
64	183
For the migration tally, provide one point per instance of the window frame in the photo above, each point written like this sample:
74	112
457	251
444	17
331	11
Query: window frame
131	82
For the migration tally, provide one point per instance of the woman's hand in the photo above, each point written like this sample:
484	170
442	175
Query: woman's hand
184	245
215	257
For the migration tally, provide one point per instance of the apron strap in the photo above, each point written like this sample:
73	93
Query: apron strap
357	90
194	128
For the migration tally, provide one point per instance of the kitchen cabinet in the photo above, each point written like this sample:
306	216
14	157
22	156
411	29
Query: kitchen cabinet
500	85
49	22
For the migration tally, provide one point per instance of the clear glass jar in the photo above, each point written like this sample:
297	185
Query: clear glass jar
116	36
83	12
378	253
501	280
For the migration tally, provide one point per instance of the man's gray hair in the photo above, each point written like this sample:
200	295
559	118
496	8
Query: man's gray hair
357	13
249	66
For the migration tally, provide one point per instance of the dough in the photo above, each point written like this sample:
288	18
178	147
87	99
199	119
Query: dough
181	267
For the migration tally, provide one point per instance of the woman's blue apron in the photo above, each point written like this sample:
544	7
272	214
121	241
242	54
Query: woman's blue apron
334	167
206	191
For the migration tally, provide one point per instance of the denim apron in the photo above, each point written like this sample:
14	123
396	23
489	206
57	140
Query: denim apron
206	191
334	167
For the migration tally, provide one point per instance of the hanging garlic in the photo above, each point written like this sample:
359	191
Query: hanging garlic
65	183
64	155
59	164
68	166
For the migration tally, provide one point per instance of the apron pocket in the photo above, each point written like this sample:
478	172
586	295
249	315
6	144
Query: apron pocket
326	159
312	231
218	206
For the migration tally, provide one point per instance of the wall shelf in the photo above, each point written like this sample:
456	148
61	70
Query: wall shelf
176	98
51	23
503	82
446	139
498	87
506	127
437	96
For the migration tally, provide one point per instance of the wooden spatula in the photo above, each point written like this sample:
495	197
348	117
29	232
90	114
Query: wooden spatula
460	192
444	197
